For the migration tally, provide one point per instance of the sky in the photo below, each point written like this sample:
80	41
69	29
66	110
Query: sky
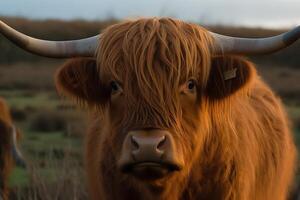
262	13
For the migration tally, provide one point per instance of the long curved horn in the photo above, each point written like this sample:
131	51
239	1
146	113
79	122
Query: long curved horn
53	49
235	45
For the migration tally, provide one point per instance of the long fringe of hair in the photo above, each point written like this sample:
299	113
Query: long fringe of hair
152	57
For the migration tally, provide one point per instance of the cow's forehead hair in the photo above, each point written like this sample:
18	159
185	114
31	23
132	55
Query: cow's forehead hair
152	57
154	49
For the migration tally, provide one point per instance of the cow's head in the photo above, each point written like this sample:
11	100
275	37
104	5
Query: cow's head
148	83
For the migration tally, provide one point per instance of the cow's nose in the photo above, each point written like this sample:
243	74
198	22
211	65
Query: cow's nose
148	147
150	154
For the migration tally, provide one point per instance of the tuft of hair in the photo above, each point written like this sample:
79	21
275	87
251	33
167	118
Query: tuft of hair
153	56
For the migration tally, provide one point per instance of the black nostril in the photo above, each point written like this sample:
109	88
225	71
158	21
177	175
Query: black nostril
161	143
134	143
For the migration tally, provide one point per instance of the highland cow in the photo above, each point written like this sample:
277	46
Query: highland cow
174	113
9	153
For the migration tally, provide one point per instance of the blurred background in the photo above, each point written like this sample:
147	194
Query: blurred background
53	128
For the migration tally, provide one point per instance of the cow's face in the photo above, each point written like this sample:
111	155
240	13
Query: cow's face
154	125
148	87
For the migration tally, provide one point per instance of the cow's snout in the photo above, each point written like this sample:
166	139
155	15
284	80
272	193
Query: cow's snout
150	154
148	147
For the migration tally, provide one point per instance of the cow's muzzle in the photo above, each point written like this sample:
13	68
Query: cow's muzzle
150	154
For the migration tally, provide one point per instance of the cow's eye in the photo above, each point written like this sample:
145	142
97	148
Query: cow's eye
191	85
115	87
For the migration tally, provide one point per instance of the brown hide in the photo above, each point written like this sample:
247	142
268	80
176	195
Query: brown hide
6	160
232	131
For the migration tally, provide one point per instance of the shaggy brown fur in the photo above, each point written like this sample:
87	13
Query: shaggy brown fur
6	160
233	133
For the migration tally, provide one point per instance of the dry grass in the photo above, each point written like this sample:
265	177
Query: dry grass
284	80
32	76
51	29
65	181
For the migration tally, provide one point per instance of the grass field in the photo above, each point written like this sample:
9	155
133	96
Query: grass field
51	144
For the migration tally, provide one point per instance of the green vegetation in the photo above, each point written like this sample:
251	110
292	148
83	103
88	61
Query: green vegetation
19	177
22	101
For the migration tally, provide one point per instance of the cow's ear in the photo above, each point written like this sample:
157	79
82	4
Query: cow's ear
228	75
79	79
